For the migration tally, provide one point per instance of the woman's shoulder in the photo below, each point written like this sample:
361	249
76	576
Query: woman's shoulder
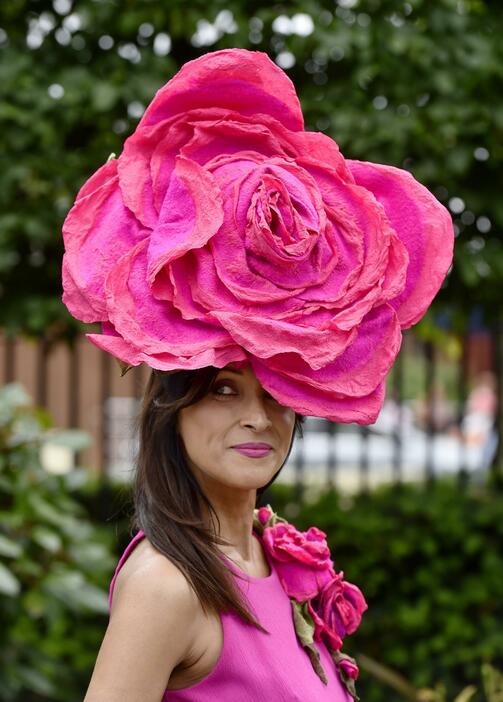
148	577
152	628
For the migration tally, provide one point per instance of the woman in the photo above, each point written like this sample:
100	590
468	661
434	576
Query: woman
263	277
177	645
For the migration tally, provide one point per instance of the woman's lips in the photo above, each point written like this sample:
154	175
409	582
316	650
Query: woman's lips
253	452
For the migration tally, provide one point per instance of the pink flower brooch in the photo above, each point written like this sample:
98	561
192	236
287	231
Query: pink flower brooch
325	606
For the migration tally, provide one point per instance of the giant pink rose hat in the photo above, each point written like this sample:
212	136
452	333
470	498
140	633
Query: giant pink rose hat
226	234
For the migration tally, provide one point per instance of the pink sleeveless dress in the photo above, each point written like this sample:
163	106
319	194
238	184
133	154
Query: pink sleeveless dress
253	665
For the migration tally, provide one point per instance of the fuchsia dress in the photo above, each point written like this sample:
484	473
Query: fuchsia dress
256	666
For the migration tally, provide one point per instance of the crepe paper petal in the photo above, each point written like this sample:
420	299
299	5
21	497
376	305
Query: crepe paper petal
135	174
316	147
146	165
265	338
258	264
423	224
97	231
129	354
199	290
77	303
362	366
191	214
362	236
245	81
94	183
148	323
351	389
229	133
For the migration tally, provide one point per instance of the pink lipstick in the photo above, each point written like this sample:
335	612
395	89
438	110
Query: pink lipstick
253	450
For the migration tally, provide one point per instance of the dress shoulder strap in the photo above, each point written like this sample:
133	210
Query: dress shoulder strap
129	548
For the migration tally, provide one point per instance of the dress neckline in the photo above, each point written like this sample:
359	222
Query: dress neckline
253	578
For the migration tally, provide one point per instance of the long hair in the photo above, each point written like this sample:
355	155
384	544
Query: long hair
168	499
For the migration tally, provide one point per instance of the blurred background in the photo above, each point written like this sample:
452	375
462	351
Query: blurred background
412	506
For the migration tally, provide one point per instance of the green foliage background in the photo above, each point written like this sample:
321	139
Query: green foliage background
415	84
55	566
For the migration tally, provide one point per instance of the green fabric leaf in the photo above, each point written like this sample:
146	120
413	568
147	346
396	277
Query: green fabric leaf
348	682
123	366
304	627
314	656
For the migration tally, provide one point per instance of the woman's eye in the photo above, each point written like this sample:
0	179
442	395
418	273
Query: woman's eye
226	390
220	390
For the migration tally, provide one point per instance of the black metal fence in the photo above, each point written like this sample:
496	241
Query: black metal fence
442	414
442	417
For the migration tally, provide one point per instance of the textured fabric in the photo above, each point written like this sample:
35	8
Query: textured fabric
253	665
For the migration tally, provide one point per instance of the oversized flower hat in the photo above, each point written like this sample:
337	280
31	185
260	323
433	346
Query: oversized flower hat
226	234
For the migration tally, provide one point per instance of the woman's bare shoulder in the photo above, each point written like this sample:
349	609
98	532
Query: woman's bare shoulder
148	574
151	631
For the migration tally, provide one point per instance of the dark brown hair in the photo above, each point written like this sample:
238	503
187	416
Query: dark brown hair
168	499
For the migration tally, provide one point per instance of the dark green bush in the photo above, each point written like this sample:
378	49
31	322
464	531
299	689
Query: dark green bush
55	567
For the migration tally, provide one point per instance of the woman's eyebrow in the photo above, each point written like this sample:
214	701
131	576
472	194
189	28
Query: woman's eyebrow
231	370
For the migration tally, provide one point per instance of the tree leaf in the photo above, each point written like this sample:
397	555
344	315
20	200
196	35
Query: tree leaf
9	584
9	548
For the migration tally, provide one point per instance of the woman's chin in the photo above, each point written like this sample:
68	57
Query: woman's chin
251	480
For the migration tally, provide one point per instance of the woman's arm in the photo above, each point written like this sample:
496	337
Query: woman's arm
151	630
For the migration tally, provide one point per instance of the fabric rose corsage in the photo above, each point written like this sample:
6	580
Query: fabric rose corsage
224	232
325	606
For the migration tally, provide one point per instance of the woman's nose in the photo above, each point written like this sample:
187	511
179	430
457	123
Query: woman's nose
255	416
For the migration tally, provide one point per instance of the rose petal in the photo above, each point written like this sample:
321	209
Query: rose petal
199	289
133	356
97	231
148	161
350	669
356	372
76	302
319	148
300	581
264	514
265	337
245	81
152	325
191	214
423	224
351	389
231	133
362	236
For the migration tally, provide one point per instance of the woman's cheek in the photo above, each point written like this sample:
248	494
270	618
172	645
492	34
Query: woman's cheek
287	416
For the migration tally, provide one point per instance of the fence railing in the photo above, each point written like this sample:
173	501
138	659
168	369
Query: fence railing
442	414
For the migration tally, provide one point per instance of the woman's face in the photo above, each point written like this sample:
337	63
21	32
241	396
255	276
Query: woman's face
236	410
